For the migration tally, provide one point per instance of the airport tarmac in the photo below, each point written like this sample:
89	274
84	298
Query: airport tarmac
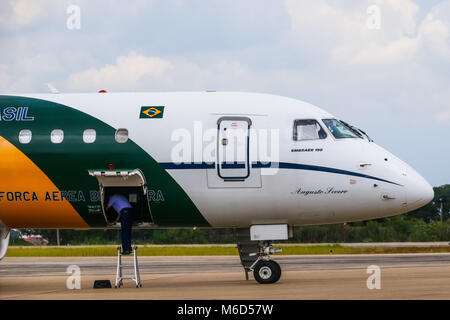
403	276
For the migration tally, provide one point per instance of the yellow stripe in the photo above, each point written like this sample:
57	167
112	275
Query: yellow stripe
18	174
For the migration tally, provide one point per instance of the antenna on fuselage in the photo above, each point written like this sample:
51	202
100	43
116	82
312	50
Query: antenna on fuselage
52	88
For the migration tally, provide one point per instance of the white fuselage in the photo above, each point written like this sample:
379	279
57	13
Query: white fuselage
318	181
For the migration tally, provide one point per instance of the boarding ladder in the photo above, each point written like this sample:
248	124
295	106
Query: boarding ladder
119	274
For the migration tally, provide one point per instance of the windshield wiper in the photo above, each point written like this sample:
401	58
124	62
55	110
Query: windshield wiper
370	140
357	131
354	130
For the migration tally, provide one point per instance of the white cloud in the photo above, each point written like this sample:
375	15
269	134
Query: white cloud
394	51
137	72
16	14
401	36
314	20
400	16
434	32
126	73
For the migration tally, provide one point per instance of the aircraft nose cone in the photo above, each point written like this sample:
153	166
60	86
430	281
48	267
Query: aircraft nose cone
418	193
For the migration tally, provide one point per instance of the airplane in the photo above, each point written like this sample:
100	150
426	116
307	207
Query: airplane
258	163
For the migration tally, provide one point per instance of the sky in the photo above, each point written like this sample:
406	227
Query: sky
382	65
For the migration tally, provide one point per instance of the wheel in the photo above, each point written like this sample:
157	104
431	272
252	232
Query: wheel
267	272
277	269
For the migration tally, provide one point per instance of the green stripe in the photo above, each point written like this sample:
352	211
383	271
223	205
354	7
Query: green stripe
67	164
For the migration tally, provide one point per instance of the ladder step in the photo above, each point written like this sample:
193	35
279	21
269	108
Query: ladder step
121	266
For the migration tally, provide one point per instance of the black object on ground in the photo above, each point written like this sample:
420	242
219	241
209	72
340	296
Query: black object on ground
102	284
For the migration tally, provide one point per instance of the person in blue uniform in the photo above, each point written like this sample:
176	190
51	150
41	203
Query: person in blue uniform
125	214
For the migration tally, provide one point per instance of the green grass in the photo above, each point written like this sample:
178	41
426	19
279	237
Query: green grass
206	250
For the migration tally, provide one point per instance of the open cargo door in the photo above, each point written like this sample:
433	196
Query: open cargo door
129	182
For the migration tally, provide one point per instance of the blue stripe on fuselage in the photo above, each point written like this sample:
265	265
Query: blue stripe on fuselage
281	165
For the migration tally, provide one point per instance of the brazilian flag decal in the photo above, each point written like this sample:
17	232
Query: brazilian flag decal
151	112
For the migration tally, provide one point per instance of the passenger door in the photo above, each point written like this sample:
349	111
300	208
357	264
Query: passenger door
233	143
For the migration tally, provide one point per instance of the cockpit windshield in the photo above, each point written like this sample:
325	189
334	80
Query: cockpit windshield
341	130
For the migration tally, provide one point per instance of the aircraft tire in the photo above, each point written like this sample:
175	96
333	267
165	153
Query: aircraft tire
267	272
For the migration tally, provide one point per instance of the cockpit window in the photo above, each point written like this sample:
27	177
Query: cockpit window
308	129
340	129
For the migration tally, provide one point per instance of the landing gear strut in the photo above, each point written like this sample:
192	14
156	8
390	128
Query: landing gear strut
255	258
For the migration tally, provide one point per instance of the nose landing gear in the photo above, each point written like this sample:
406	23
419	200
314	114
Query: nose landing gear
255	258
264	269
